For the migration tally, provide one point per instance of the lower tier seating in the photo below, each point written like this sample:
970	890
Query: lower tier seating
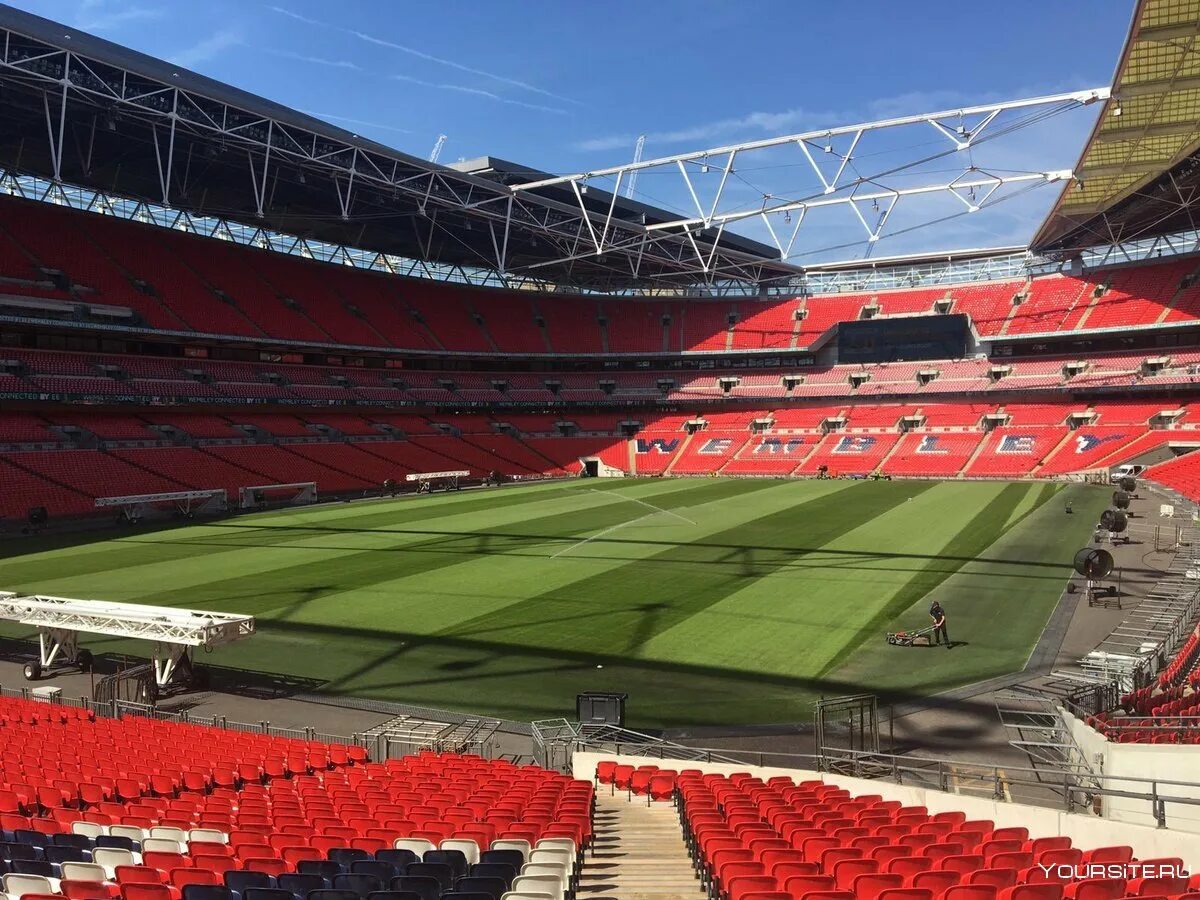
1182	475
751	839
94	808
96	453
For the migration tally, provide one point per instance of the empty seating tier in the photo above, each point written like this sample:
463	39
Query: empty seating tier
750	838
141	809
164	279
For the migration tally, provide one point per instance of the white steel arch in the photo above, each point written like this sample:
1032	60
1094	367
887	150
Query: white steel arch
960	130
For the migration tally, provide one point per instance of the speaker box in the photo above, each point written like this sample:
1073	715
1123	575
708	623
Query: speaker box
38	515
601	709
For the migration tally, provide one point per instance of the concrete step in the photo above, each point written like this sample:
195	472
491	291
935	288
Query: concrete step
639	854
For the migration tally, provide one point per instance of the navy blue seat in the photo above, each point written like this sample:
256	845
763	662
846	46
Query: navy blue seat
32	867
479	884
346	855
20	851
514	858
82	841
376	868
465	895
207	892
118	842
56	854
502	871
326	868
361	885
455	859
239	880
300	884
266	893
422	885
28	836
399	859
395	895
438	870
332	895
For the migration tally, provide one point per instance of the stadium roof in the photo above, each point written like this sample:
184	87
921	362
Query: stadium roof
1139	175
81	110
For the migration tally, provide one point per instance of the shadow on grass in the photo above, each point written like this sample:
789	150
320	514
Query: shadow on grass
739	556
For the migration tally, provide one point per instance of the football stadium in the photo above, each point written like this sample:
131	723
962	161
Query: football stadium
380	528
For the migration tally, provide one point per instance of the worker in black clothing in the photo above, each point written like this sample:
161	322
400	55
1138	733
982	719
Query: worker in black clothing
939	623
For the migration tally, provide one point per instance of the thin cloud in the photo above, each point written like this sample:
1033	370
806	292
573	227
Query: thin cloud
299	18
428	57
523	85
350	121
92	16
784	121
208	48
314	60
477	92
766	122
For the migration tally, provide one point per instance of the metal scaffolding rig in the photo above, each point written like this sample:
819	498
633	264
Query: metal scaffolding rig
175	632
188	129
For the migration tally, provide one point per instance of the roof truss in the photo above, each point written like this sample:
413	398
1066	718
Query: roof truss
552	236
704	178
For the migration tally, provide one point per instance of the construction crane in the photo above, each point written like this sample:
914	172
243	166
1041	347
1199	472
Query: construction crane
437	148
631	184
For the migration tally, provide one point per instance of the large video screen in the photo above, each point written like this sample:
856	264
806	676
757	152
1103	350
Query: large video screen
909	338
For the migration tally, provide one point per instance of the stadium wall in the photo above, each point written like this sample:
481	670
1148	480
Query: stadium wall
1148	842
1170	762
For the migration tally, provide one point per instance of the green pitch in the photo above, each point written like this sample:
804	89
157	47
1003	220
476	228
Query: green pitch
740	602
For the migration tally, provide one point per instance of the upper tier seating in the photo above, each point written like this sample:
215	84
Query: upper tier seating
771	454
849	454
1088	446
22	427
1013	451
1138	295
1053	303
572	326
933	455
92	375
708	451
181	282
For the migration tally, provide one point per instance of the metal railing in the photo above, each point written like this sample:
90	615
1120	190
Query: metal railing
1007	784
557	740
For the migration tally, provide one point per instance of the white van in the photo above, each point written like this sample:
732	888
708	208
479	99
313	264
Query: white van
1129	470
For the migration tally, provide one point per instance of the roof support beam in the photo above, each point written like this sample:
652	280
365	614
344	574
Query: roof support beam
1073	98
841	183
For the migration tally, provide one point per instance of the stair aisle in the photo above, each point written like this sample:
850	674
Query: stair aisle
639	853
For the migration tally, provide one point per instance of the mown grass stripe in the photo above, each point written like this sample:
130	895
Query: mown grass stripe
979	533
643	598
396	553
313	528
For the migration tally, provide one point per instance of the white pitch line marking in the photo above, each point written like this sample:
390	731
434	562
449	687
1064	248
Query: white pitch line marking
647	505
600	534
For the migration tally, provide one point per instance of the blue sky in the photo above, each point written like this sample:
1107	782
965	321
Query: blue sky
567	86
